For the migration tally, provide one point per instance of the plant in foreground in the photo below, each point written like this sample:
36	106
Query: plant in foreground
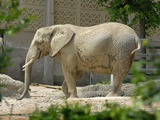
79	112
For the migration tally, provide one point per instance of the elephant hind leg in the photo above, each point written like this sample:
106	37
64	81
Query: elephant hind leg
65	89
119	76
79	74
116	87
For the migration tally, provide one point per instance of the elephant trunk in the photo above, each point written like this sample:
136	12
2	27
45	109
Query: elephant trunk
27	78
28	68
27	82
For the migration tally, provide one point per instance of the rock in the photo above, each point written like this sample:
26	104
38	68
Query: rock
10	87
90	91
101	90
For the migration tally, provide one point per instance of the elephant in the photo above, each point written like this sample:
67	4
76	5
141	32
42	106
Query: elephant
107	48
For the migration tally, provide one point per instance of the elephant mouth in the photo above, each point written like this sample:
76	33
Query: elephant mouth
40	55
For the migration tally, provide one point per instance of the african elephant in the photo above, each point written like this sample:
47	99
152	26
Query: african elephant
106	48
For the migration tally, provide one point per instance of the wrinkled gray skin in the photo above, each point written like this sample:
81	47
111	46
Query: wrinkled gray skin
106	48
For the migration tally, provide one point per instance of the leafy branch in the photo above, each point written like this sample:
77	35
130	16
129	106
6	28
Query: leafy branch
132	11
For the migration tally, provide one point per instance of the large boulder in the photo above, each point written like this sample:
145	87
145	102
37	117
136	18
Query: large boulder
10	87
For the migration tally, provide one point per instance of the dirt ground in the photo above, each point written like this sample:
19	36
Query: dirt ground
42	96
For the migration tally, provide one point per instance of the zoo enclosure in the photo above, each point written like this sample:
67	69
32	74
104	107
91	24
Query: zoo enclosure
48	12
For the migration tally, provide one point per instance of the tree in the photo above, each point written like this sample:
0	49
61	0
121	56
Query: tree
11	22
146	12
11	13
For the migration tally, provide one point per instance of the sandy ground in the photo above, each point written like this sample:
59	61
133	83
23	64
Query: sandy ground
42	96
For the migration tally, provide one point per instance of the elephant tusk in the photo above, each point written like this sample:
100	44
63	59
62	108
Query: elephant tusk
30	62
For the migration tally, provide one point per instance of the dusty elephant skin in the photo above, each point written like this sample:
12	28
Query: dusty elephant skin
107	48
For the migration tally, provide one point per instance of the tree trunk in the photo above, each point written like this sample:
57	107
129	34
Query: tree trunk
143	36
2	36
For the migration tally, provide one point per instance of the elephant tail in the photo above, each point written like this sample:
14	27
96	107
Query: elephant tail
138	42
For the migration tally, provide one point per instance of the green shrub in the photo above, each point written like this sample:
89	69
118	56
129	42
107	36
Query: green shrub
67	112
117	112
79	112
51	114
5	60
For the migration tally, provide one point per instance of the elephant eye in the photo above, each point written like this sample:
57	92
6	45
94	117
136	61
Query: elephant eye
51	35
38	33
40	47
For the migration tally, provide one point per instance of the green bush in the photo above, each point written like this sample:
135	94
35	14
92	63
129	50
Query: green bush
10	12
67	112
51	114
79	112
5	60
147	90
117	112
147	11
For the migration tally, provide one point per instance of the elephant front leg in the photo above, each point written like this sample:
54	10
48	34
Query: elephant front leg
69	85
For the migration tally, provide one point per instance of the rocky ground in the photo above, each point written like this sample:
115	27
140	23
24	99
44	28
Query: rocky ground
42	96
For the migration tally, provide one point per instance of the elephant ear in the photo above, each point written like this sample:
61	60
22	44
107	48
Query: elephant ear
61	36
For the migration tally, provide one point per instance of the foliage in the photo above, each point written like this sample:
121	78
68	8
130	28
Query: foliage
5	60
51	114
78	112
115	111
72	112
11	22
11	19
147	91
104	82
146	10
67	112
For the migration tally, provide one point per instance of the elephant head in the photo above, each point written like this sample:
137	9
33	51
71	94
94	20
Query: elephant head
47	41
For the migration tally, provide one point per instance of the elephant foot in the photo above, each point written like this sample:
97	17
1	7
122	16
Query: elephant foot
67	96
72	97
112	94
